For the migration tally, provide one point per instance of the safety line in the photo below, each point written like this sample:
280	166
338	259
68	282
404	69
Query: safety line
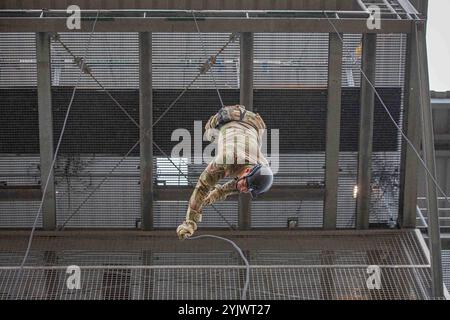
247	265
58	146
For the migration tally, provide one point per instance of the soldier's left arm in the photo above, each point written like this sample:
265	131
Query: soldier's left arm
206	182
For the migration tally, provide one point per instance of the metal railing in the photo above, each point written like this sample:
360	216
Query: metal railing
444	214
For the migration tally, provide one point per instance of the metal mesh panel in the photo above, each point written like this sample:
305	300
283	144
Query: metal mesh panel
215	283
446	267
288	265
220	258
169	214
390	60
385	185
80	203
385	188
19	122
19	171
95	125
112	57
283	247
351	60
275	214
290	60
177	58
295	169
17	59
346	209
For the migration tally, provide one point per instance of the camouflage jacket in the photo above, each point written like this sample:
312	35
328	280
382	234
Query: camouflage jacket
238	146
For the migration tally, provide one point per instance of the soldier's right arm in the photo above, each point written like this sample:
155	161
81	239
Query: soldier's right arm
221	192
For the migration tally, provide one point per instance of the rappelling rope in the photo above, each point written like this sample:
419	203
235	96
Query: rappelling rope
30	239
247	265
390	115
82	63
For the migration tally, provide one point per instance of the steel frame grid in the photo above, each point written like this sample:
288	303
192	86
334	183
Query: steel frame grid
283	265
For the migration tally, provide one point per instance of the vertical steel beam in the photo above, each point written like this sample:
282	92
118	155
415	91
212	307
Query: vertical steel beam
367	103
246	99
447	175
145	131
333	131
45	129
411	127
430	161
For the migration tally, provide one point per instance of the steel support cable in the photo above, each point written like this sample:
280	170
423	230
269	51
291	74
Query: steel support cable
408	141
209	62
30	239
89	72
231	39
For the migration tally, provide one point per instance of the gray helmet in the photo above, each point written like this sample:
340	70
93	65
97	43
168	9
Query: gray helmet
259	180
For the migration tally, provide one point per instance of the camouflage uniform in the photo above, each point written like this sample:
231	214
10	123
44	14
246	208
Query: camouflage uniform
238	147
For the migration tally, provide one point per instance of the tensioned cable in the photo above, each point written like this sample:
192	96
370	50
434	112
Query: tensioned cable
206	56
88	71
392	118
206	67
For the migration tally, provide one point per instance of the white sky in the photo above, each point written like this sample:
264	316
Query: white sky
438	41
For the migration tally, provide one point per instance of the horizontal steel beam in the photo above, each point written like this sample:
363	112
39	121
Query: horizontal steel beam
263	25
276	193
20	193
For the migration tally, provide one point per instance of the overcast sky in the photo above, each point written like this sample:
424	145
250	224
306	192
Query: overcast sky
438	41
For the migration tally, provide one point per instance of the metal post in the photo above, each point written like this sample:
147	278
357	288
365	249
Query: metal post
146	133
410	163
246	99
367	103
45	129
333	131
148	275
430	161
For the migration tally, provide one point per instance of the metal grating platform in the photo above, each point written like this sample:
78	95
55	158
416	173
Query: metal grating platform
283	265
